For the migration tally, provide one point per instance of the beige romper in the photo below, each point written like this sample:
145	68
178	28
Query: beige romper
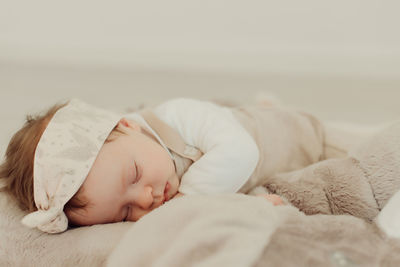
287	140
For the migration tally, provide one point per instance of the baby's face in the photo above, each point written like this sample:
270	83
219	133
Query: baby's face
131	176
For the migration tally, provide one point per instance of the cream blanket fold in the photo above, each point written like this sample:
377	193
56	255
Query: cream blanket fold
225	230
244	231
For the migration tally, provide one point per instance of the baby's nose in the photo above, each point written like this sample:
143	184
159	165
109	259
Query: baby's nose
145	198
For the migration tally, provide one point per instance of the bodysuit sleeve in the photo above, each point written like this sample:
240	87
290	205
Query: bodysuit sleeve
230	155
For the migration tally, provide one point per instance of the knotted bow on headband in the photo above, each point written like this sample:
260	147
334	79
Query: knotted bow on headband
63	158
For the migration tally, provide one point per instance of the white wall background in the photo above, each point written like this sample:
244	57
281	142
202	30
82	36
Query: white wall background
338	59
346	36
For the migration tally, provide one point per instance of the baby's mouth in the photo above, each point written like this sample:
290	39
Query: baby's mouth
166	190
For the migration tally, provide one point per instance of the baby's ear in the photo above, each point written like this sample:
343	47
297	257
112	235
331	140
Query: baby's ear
125	123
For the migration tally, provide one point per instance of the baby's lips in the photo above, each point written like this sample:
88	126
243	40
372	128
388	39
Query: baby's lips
166	189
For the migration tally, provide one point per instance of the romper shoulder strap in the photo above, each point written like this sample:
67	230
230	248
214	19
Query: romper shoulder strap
171	138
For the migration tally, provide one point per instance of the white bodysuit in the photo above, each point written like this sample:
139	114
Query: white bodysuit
241	146
230	154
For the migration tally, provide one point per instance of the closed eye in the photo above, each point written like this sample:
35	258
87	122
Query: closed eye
137	175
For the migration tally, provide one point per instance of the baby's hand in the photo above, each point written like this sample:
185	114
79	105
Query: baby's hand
177	195
274	199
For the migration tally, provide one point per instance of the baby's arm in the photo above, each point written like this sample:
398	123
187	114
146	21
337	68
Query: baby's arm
230	154
178	195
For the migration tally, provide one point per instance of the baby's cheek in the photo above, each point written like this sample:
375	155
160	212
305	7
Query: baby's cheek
137	213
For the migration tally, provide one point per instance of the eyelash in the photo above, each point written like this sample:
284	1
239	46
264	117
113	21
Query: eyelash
137	178
137	175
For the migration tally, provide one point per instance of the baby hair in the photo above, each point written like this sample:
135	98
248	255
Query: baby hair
16	171
17	168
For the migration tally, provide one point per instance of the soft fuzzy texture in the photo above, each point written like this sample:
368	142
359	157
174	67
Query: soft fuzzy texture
239	230
329	241
231	230
359	185
222	230
22	246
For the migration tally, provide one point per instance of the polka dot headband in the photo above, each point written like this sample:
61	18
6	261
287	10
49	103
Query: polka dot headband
63	158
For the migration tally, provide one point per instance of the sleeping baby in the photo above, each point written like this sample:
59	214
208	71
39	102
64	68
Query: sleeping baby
82	165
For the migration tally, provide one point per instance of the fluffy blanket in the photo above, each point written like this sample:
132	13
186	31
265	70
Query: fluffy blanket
21	246
240	230
224	230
